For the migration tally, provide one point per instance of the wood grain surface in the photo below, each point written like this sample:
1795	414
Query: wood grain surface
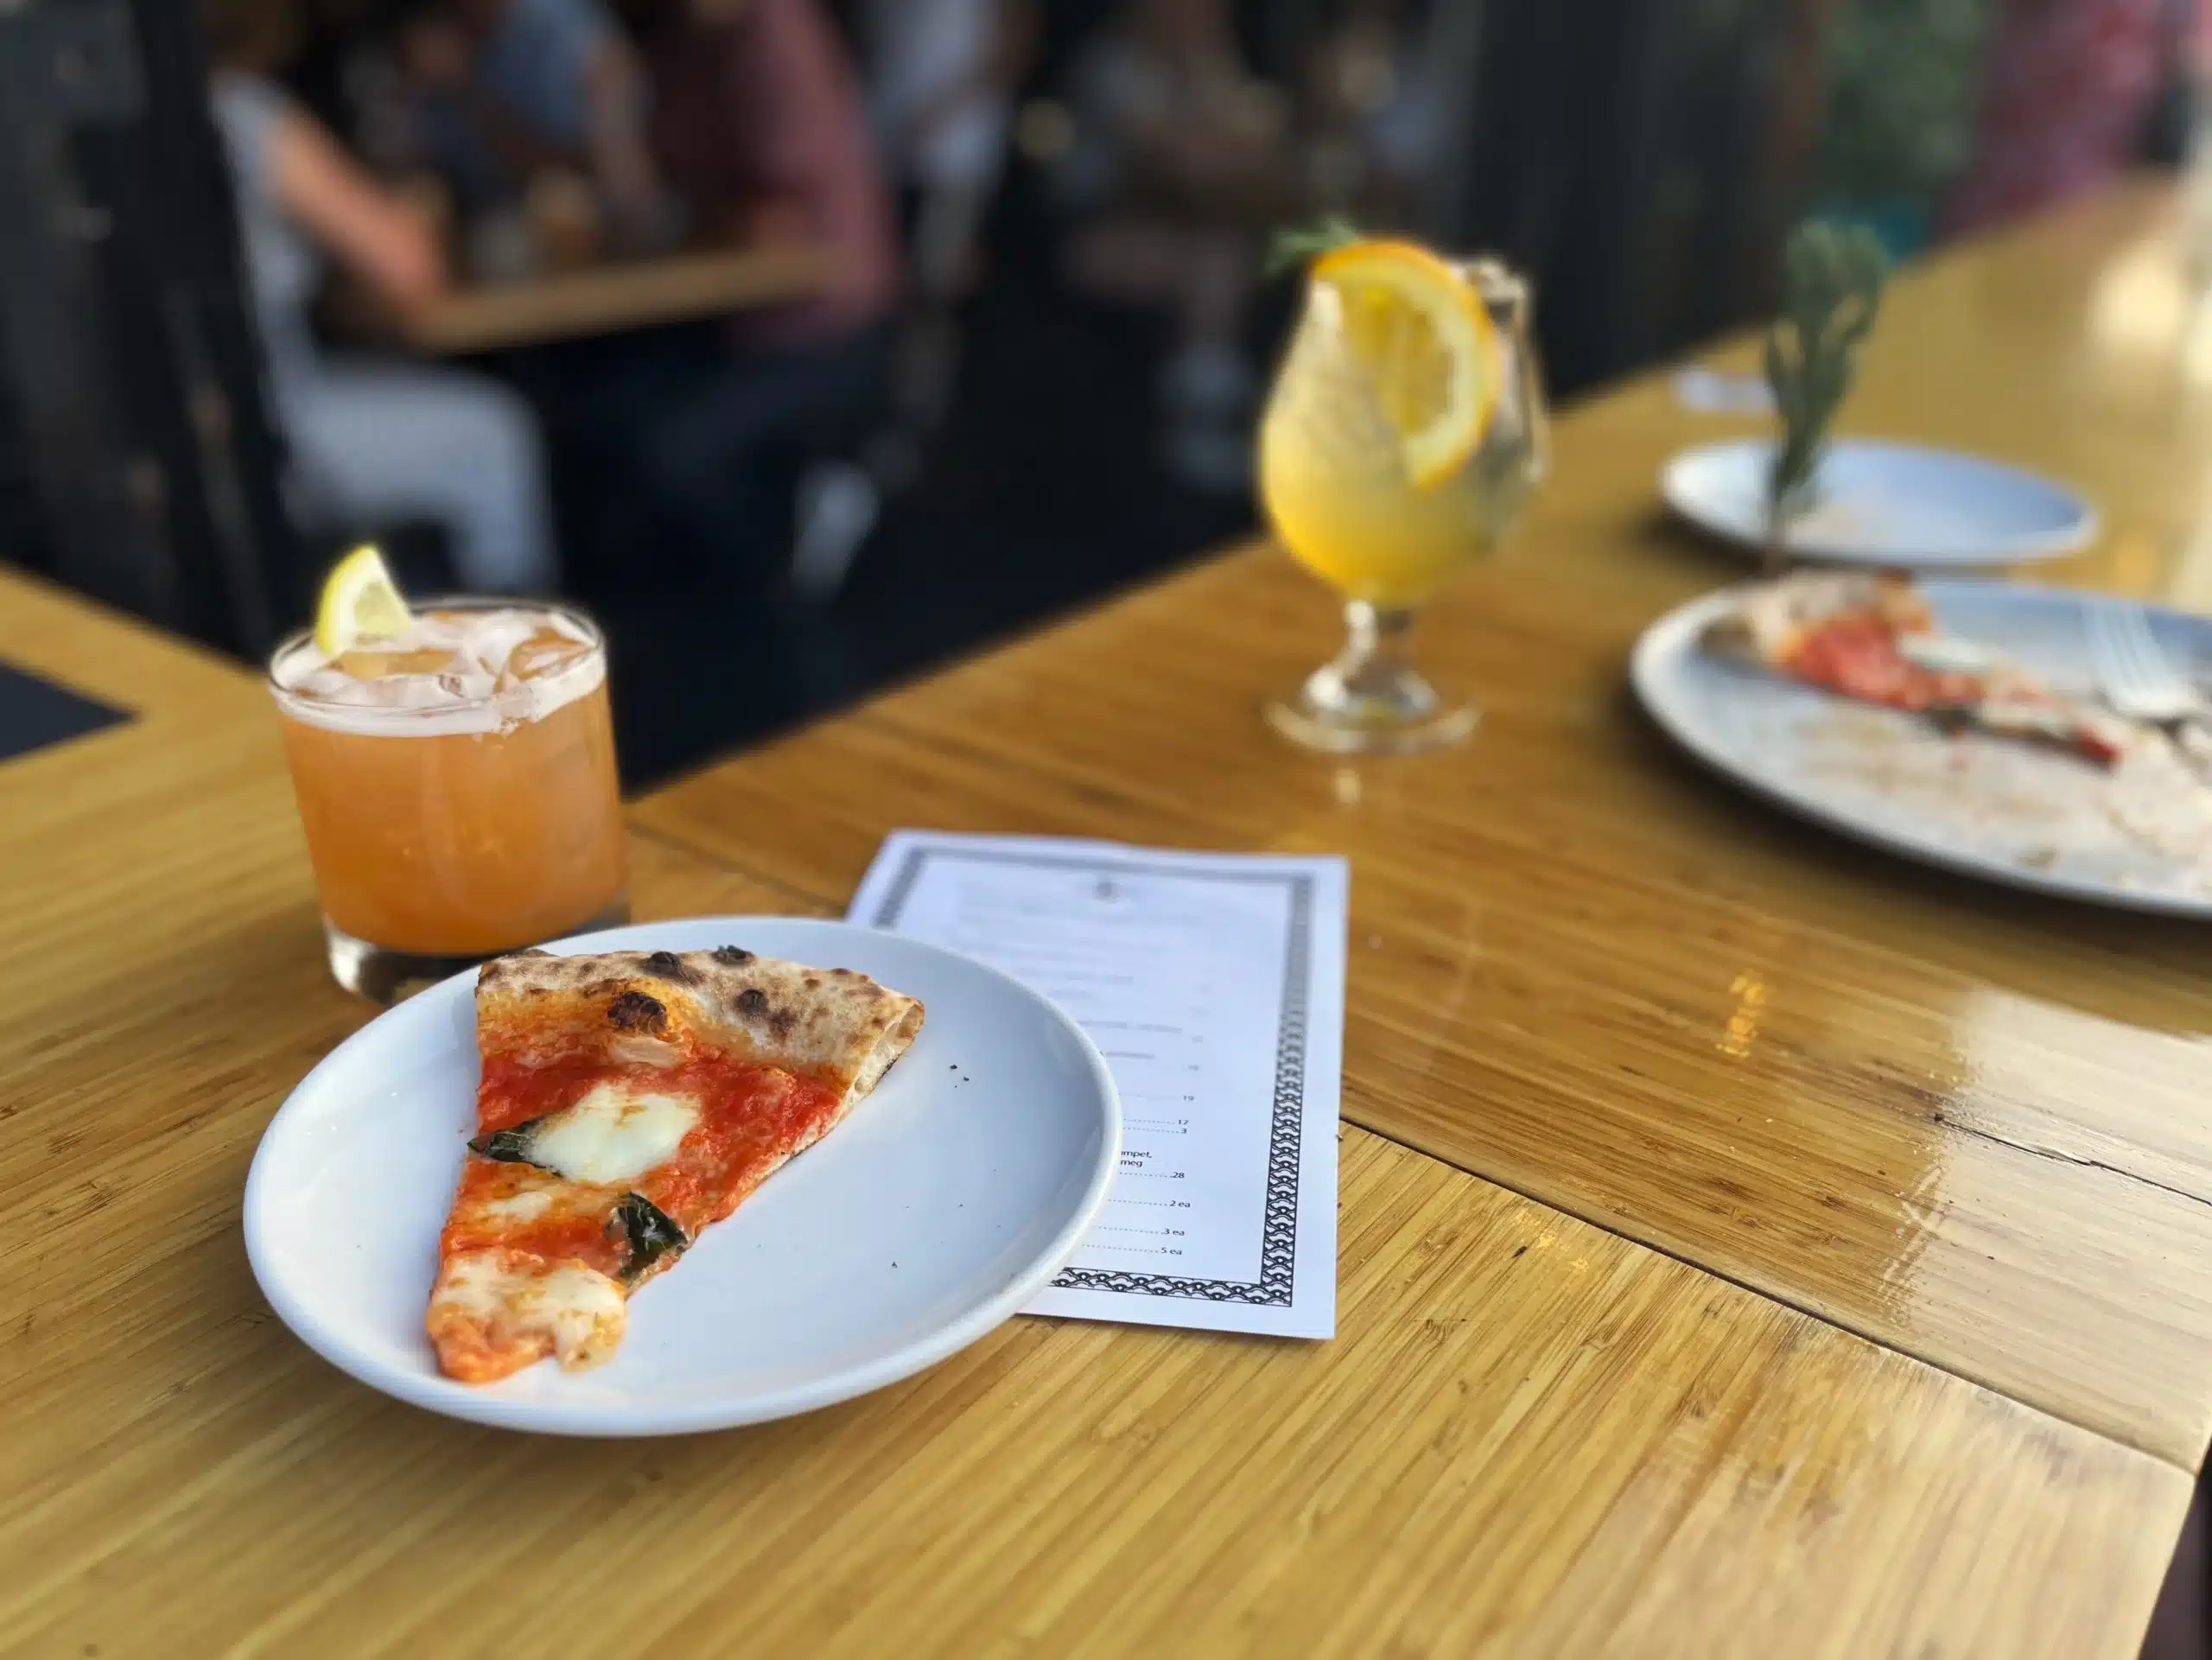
115	658
678	288
1969	1124
1944	1151
1530	1436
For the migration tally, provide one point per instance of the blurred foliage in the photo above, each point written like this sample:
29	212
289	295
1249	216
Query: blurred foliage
1293	246
1832	291
1903	90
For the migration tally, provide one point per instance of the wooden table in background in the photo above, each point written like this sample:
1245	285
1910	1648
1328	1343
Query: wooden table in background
1750	1244
638	293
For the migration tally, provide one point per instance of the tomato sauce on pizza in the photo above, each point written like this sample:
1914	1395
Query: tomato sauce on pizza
1872	637
626	1103
1860	657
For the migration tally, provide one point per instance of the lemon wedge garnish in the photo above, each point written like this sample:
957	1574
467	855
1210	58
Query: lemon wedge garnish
359	602
1425	338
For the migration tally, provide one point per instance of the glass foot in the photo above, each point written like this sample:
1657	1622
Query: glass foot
385	975
1371	701
1367	730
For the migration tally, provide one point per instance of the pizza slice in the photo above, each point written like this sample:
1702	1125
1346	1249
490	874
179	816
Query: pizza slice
1872	637
627	1101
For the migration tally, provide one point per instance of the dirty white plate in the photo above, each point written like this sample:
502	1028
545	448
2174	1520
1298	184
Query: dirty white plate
2138	838
1886	505
948	1199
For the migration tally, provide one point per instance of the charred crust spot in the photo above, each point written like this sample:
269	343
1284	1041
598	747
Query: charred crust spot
813	982
753	1001
669	966
845	974
782	1022
633	1011
734	957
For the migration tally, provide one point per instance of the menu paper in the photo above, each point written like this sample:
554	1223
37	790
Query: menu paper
1214	985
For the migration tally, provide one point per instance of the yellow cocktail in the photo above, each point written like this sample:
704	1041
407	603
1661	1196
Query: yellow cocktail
1404	433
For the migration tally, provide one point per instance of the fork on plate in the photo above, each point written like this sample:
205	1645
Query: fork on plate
2132	671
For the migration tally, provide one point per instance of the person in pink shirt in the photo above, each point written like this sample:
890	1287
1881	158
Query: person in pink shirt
2069	93
758	126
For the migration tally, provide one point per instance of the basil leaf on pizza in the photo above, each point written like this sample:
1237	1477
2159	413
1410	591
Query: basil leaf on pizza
628	1101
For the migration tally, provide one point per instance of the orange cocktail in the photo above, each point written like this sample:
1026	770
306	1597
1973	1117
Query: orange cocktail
458	788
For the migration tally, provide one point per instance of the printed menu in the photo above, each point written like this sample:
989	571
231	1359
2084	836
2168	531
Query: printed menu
1214	986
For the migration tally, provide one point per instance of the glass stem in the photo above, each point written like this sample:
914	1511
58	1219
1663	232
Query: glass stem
1379	653
1370	698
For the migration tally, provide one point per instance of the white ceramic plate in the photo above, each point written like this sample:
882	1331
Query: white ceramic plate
1999	811
946	1200
1887	504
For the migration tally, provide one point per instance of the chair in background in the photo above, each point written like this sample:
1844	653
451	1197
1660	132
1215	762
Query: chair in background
128	362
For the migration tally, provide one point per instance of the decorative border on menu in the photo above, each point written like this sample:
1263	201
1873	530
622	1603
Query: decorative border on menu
1279	1221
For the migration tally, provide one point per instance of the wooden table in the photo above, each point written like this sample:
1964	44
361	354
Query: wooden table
1750	1244
637	294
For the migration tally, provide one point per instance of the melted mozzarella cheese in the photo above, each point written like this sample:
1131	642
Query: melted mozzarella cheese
645	1052
524	1206
612	1135
578	1310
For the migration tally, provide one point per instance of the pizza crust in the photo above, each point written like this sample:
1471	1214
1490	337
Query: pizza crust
495	1308
834	1023
1892	655
1769	620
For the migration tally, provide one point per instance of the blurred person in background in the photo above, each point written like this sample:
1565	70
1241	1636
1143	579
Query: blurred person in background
1369	116
942	76
1181	159
758	125
2071	91
941	81
369	440
515	98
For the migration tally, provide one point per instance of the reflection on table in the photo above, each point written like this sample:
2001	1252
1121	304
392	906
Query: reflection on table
1749	1244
